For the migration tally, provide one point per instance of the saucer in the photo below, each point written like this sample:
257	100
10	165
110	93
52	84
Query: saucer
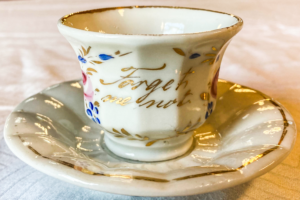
247	135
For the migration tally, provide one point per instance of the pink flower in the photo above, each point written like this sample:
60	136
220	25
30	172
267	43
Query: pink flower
215	84
83	77
87	87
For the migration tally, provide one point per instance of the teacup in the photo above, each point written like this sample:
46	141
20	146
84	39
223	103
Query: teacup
150	73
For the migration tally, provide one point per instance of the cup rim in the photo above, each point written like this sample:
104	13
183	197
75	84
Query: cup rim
61	21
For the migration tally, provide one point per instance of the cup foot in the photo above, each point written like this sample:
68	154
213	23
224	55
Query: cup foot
158	152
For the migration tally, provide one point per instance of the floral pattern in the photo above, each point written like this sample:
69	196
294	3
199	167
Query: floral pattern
81	59
105	57
83	77
182	53
195	55
209	109
84	58
213	89
93	112
87	87
92	109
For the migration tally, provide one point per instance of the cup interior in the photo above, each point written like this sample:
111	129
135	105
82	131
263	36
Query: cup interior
149	20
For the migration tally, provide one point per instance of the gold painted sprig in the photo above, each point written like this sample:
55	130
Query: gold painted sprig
125	134
211	57
188	128
82	57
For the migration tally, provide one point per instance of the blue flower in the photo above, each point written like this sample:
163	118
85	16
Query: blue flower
105	57
195	55
209	109
96	110
81	59
89	112
93	112
91	106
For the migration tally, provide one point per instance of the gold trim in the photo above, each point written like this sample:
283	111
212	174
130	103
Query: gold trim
257	157
124	54
204	174
238	24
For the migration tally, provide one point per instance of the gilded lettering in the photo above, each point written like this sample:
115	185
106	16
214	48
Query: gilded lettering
120	101
159	104
152	102
167	84
171	102
183	81
129	75
153	86
125	83
138	84
106	98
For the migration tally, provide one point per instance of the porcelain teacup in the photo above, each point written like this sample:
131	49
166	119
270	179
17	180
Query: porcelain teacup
149	73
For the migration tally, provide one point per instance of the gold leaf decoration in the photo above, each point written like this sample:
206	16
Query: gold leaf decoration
96	103
204	61
124	132
128	136
151	143
214	48
114	130
91	69
131	139
117	52
125	54
89	73
179	51
88	50
96	62
187	127
97	90
84	51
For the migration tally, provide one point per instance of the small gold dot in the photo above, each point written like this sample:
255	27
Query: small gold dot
204	96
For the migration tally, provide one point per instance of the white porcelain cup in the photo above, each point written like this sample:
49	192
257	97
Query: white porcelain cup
150	73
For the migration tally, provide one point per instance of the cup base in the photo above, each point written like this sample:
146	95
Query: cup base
149	154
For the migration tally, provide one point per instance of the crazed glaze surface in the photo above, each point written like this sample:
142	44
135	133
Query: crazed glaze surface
149	92
247	135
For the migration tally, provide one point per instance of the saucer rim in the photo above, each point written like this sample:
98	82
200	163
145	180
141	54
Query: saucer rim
23	155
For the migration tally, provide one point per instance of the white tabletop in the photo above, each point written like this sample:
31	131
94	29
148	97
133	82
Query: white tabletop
265	55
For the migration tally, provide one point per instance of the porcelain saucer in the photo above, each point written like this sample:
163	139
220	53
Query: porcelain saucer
247	135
